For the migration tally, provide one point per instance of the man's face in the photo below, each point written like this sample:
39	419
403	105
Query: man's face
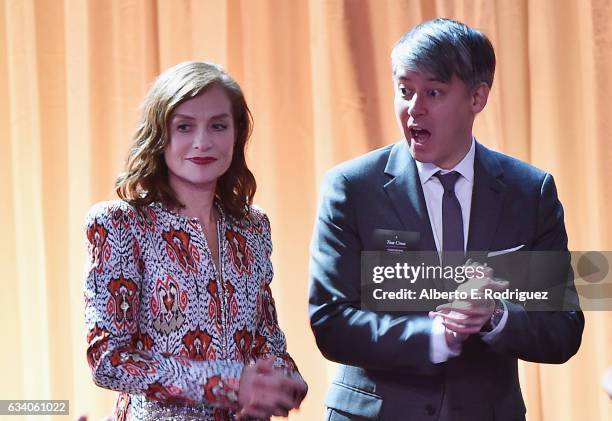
436	117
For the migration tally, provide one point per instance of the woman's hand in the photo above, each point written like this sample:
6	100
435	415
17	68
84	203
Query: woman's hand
266	391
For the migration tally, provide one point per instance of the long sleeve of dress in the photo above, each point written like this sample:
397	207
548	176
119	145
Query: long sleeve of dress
269	338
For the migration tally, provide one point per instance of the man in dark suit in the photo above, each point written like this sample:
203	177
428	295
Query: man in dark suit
458	362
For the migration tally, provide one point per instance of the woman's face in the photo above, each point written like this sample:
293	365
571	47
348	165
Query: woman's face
201	143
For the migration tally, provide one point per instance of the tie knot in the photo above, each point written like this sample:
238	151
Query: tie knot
448	180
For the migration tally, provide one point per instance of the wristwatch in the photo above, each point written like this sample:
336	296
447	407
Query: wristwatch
496	317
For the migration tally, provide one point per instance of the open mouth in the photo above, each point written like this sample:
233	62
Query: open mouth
419	134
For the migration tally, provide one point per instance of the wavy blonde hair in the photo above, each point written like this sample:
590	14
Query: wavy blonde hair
145	179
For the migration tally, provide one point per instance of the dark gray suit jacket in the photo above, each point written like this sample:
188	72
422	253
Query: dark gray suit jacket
385	371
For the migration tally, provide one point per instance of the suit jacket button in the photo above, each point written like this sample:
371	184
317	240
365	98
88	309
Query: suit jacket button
430	409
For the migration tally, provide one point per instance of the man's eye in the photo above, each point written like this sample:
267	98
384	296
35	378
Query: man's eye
405	92
434	93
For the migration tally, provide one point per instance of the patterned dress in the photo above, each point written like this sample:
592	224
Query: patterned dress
165	328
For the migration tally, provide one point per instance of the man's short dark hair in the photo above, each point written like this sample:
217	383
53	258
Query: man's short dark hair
443	48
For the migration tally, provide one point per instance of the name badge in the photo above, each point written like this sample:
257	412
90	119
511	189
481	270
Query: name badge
396	241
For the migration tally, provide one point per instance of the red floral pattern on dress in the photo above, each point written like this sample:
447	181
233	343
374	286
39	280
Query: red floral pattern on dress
142	341
97	340
168	305
231	299
171	394
180	249
120	218
214	305
244	340
96	235
197	345
240	253
260	345
221	391
267	310
134	361
137	258
123	303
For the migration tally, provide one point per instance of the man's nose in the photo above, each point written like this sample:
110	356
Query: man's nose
416	107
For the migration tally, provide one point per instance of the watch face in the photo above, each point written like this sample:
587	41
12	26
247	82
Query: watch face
498	312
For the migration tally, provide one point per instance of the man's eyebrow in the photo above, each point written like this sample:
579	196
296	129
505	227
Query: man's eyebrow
429	79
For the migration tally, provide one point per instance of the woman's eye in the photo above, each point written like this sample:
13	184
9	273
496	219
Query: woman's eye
219	126
183	127
434	93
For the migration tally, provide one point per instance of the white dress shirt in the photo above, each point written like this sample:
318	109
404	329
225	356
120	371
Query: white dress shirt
433	192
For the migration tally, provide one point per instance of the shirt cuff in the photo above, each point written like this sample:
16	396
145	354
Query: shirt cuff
488	337
438	348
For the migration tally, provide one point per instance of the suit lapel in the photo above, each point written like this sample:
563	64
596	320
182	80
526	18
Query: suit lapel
487	201
406	194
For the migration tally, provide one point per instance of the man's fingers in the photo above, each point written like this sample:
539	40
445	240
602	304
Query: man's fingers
461	328
498	285
475	321
455	305
433	314
463	320
475	311
464	307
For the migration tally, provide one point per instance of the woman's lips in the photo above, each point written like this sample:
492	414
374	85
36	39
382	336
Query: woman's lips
202	160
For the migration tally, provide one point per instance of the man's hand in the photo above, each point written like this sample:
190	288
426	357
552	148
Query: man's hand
465	317
454	339
266	391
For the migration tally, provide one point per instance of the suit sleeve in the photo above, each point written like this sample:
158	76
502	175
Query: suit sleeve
119	356
344	333
546	336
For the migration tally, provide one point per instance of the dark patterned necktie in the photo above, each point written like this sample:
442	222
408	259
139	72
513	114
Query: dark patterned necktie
452	221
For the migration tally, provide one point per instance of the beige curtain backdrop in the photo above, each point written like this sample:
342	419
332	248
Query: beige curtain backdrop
317	77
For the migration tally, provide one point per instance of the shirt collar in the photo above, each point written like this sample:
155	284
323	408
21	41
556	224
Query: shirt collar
465	167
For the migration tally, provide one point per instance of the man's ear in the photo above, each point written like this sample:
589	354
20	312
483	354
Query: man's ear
479	97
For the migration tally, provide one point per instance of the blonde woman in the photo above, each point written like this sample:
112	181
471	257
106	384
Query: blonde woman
179	311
